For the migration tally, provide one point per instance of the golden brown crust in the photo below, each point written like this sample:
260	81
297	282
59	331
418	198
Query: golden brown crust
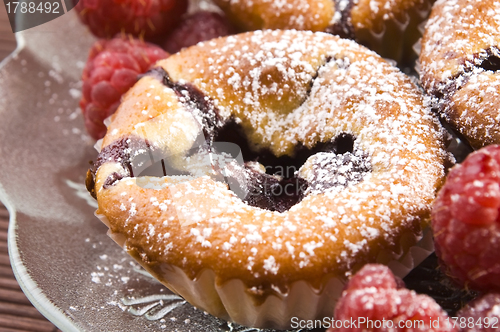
474	109
286	88
141	97
389	27
371	15
460	37
291	14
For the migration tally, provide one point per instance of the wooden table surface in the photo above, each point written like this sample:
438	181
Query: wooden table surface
16	312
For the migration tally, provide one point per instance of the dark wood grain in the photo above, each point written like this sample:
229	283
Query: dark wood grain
6	271
20	310
9	283
26	323
7	39
4	221
16	312
6	329
4	258
3	247
13	296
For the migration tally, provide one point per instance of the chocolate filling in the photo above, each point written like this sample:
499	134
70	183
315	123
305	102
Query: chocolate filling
488	60
492	60
344	27
194	99
277	189
280	187
132	153
282	166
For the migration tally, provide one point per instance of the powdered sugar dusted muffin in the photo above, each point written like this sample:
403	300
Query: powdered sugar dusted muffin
389	27
353	160
460	60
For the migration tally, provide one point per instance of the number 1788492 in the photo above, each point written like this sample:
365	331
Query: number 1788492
48	7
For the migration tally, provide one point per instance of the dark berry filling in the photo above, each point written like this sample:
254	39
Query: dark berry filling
285	165
133	153
343	28
280	187
338	163
490	59
194	99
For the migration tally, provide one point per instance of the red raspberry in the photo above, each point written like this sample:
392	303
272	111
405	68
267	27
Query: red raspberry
147	18
196	28
466	221
483	314
373	294
374	275
111	69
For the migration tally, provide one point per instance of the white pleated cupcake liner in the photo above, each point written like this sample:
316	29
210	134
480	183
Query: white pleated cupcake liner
233	301
395	31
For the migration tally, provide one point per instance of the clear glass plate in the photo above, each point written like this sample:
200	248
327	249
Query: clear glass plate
67	266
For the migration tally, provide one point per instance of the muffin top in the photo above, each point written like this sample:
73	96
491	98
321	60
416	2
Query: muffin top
284	89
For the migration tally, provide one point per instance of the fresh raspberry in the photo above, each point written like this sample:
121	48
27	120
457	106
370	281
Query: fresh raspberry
111	69
373	294
147	18
483	314
196	28
466	221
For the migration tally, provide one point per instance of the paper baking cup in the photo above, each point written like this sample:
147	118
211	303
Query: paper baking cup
233	301
417	47
396	38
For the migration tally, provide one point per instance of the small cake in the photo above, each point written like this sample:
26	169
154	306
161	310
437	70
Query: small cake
389	27
459	65
253	174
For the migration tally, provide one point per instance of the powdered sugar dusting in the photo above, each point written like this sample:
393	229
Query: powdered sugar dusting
280	14
456	30
289	88
459	63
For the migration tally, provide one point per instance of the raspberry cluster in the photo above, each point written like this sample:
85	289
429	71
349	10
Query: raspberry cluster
111	69
466	223
113	65
196	28
375	294
147	18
